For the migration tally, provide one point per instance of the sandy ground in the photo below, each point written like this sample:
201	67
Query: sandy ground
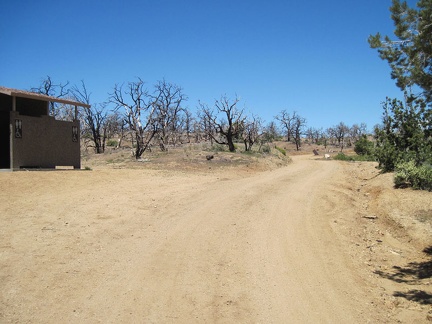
313	242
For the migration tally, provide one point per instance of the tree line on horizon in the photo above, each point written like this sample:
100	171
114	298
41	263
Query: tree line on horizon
159	118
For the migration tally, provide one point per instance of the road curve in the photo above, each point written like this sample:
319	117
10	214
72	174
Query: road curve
257	250
234	250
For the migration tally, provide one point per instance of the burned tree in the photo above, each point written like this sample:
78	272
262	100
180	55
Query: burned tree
49	88
357	131
339	132
116	126
298	124
286	121
203	128
252	132
188	124
226	123
138	112
94	119
167	105
313	135
95	125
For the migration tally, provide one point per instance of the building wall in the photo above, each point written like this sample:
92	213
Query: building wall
44	142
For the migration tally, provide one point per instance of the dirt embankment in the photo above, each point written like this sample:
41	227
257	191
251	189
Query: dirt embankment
388	233
315	241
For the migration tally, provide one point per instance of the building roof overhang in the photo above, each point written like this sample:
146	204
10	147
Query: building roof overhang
41	97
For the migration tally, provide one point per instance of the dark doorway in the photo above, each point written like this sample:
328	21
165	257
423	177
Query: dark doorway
4	140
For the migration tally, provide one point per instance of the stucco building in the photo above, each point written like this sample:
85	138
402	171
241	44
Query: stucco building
31	138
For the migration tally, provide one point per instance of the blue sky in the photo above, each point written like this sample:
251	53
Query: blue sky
306	56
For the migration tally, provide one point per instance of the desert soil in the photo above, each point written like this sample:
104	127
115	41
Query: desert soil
315	241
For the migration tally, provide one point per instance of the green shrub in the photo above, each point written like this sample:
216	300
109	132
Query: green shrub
387	156
281	150
363	146
361	158
407	174
112	142
342	157
404	135
369	158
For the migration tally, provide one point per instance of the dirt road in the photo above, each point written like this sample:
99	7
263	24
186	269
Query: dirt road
142	246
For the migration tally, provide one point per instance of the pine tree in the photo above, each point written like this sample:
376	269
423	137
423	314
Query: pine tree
410	57
406	133
402	136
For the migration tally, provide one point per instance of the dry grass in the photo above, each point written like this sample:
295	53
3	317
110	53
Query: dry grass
186	157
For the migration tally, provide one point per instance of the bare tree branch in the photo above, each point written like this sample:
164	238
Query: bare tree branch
138	111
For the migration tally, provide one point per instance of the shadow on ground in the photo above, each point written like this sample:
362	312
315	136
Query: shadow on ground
413	273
